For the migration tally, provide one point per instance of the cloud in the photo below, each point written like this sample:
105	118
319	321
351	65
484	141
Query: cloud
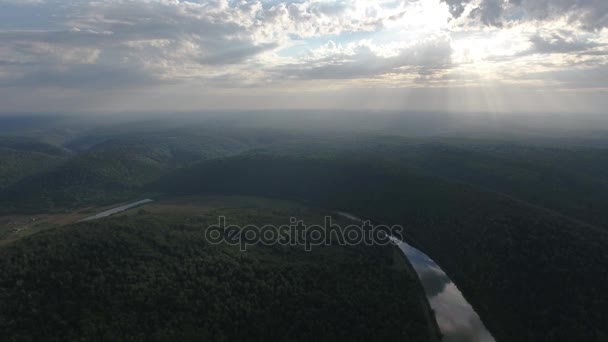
559	44
590	14
456	7
169	39
230	47
364	59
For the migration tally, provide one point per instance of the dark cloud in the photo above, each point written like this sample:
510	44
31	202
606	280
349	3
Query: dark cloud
590	14
491	12
456	7
237	52
96	76
121	43
560	43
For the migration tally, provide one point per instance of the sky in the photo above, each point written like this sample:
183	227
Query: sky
495	56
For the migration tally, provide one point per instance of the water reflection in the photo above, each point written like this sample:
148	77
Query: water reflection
455	316
433	282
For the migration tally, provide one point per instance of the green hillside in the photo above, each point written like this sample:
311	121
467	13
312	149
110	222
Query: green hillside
505	256
111	171
22	157
570	180
154	277
16	165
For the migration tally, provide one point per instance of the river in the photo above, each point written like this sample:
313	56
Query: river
455	317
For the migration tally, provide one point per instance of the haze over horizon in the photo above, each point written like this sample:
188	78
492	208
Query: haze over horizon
430	55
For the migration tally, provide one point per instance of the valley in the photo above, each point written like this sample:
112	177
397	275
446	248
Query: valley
503	219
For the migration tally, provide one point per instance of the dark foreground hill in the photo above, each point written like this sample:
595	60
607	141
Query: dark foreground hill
532	275
154	277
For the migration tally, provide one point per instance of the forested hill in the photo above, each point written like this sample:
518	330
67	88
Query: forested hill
572	180
155	278
22	157
109	172
507	257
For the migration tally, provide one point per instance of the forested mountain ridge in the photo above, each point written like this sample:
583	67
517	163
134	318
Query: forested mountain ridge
22	157
111	171
479	237
569	180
